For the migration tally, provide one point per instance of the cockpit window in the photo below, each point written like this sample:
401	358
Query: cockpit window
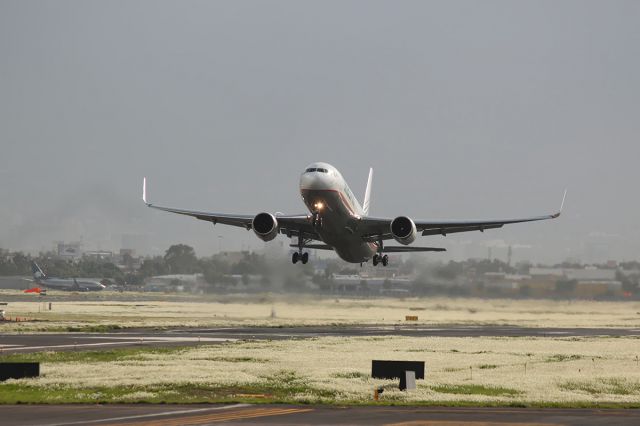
316	169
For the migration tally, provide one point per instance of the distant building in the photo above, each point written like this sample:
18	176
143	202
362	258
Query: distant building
370	284
99	255
69	251
589	282
174	282
503	280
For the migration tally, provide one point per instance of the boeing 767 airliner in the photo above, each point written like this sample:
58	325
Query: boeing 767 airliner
336	221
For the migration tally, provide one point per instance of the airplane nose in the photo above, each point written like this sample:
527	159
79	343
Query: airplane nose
306	180
314	181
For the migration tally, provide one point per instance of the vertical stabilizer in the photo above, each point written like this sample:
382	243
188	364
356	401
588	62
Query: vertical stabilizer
367	194
37	272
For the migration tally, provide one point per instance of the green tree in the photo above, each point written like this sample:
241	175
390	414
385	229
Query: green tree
153	266
628	283
58	268
214	269
566	287
181	259
22	263
128	261
251	263
450	271
133	279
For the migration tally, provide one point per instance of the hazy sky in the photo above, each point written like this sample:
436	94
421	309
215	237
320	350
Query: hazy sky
464	109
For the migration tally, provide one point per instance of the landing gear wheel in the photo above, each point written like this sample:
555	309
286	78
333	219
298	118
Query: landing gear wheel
295	257
305	258
385	260
375	260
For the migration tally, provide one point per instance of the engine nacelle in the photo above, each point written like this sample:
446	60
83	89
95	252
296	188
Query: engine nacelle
403	230
265	226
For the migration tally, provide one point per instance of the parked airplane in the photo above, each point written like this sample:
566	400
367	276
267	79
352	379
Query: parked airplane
69	284
338	222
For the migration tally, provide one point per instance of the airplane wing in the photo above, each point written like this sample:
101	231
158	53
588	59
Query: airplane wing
290	225
373	229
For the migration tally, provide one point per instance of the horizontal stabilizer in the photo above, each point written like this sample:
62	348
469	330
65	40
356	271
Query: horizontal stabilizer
405	249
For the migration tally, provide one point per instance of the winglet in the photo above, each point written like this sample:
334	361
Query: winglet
144	190
367	193
561	206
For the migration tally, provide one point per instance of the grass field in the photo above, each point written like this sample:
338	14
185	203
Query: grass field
104	311
459	371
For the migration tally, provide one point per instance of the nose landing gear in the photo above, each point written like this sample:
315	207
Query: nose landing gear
316	220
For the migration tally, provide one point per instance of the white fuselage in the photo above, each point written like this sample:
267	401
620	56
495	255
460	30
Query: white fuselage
325	193
70	284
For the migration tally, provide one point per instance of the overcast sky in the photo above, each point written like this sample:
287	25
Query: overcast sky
466	110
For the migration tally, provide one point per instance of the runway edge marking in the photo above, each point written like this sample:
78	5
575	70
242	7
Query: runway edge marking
142	416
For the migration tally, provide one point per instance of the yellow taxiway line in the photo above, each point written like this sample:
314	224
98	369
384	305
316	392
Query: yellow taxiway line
217	417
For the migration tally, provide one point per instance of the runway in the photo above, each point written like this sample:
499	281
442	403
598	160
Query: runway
245	414
275	414
22	343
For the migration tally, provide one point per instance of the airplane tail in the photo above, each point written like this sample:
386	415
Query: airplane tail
367	194
37	272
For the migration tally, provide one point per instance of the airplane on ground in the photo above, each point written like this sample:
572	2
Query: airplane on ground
336	221
68	284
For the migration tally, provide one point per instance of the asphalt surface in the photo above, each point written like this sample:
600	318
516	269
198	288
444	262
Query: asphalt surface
243	414
21	343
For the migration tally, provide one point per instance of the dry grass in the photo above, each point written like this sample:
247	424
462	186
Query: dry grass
250	310
566	371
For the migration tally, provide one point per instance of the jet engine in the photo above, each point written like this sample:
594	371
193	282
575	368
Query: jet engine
403	230
265	226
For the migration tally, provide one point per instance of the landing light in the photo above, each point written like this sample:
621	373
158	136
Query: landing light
319	205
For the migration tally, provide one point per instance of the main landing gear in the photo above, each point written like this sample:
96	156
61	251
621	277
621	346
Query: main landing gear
377	258
299	255
302	257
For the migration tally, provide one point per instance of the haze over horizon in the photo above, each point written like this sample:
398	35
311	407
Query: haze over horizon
465	110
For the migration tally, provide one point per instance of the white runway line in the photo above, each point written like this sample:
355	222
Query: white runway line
163	339
121	342
142	416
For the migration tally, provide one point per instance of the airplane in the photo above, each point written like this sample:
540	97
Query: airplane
337	221
68	284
